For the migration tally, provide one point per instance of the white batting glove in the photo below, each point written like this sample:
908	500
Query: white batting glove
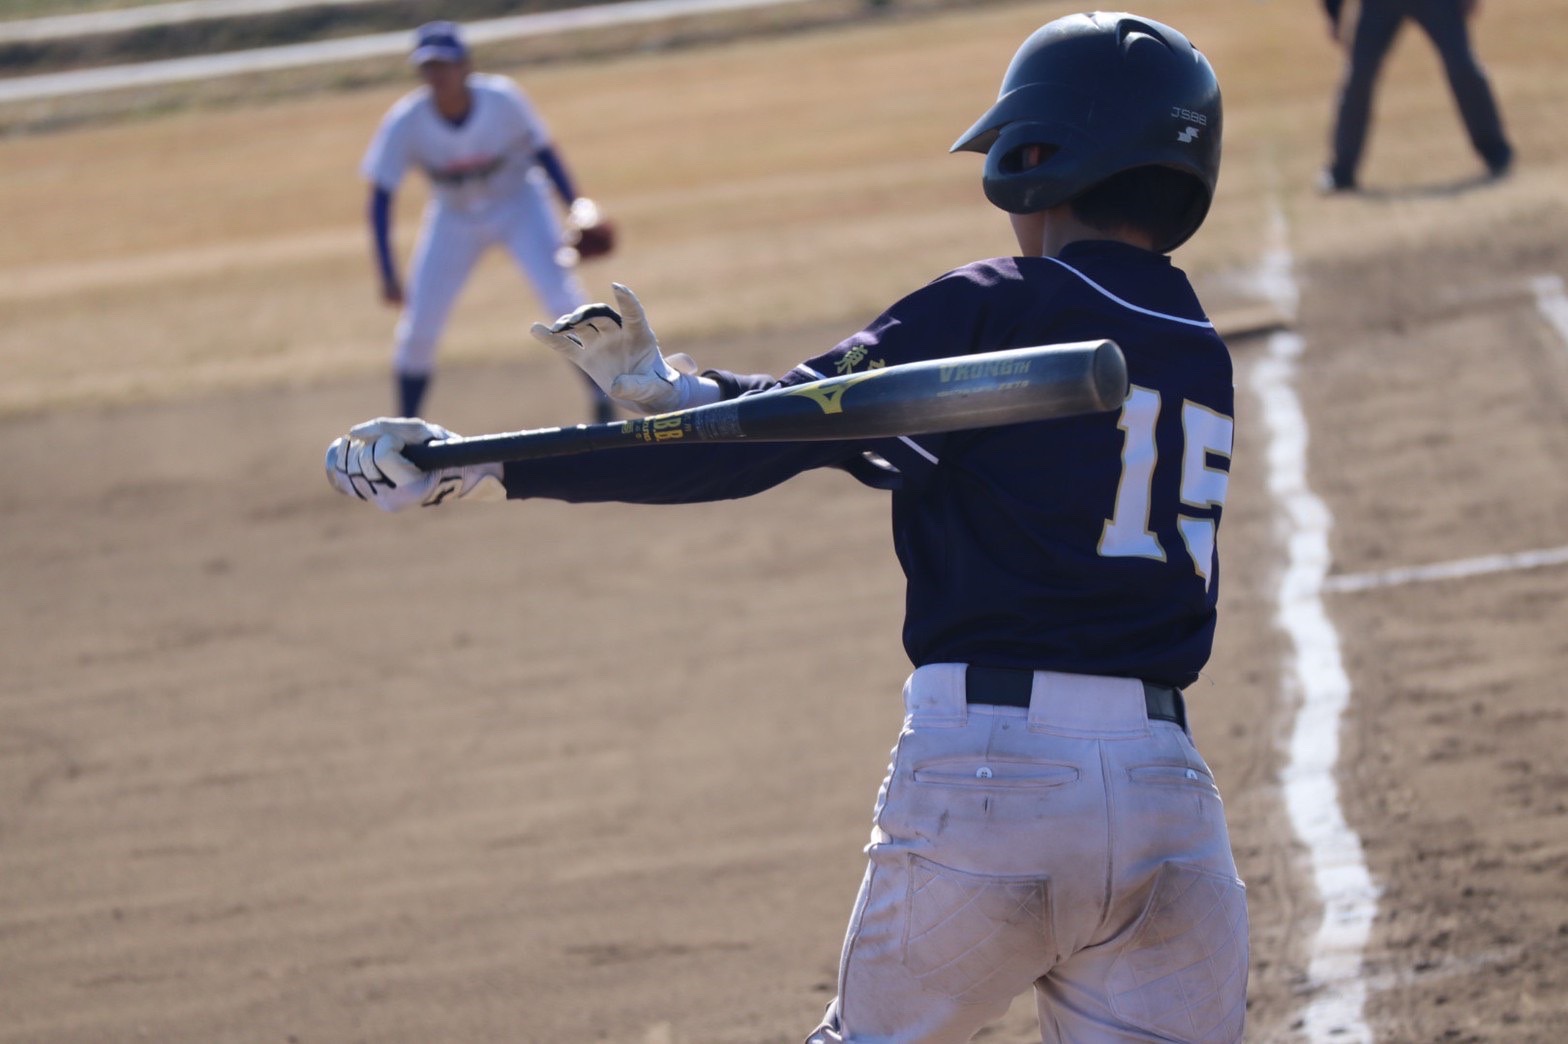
368	463
619	351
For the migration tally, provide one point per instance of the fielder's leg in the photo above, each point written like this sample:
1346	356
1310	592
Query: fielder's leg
532	234
449	245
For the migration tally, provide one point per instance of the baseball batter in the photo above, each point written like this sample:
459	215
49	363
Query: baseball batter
1046	822
489	157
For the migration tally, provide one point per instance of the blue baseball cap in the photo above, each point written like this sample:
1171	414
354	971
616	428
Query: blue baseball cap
438	42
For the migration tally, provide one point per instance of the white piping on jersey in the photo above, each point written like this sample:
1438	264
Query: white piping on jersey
1204	323
906	440
912	444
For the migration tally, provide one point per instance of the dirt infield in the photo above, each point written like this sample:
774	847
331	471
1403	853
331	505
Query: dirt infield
274	767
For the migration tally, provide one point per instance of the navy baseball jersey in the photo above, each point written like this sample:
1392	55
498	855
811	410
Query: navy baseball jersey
1084	544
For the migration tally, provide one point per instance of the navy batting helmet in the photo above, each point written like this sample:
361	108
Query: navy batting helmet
1100	94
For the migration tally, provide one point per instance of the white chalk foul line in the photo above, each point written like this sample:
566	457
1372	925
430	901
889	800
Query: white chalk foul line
1552	302
1316	676
1455	570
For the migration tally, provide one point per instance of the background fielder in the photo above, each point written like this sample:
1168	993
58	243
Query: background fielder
1046	821
488	156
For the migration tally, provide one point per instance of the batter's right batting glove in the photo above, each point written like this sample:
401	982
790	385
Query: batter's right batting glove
368	463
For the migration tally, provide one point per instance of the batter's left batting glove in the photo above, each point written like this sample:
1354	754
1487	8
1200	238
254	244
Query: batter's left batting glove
619	351
368	463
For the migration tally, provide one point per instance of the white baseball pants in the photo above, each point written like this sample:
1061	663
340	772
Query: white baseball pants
1077	847
451	241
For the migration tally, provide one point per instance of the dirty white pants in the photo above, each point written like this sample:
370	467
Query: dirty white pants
1075	847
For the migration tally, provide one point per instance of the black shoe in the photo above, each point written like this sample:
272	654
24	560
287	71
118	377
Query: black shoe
1330	183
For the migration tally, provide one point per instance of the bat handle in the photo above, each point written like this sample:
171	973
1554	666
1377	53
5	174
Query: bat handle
439	454
518	445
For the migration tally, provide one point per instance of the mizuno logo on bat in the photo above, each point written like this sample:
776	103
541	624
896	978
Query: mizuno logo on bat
829	397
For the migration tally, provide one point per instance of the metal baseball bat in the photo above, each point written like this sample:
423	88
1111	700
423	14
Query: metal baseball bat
983	390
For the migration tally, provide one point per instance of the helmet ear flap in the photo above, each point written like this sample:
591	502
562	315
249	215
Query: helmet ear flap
1024	169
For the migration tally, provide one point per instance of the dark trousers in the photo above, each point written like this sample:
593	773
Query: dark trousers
1444	22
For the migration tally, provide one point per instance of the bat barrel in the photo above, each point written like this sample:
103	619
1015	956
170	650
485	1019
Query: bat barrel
983	390
1110	376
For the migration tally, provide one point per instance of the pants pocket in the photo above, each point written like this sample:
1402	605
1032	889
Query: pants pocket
968	935
1183	971
1173	775
972	771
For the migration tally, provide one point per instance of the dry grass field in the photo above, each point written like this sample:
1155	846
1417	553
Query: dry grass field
274	767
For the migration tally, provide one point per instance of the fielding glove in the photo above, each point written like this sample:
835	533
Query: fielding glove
368	463
587	233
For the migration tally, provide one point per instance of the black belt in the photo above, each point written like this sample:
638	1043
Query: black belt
1010	687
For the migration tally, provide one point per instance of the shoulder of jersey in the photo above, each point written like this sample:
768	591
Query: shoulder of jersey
412	100
982	274
493	83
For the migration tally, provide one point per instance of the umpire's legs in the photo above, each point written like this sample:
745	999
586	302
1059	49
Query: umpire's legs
1376	28
1444	22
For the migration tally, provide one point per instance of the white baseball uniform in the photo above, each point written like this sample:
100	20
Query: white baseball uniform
488	190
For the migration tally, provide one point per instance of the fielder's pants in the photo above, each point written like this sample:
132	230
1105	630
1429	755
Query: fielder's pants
1076	847
451	242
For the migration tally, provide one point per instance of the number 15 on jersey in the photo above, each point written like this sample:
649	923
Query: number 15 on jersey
1205	432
